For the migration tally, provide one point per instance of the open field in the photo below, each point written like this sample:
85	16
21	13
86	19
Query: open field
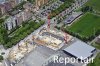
94	3
86	26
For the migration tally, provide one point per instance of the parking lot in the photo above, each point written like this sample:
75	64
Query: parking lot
44	12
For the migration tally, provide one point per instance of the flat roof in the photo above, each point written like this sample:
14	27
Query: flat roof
80	49
58	64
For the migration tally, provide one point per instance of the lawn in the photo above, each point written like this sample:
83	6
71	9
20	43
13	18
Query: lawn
86	26
96	61
94	3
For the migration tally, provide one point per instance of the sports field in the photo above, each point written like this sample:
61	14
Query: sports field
94	3
86	26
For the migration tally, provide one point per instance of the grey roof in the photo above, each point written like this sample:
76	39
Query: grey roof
80	49
59	64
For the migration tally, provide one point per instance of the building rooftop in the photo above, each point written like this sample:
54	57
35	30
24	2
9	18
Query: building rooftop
80	49
59	64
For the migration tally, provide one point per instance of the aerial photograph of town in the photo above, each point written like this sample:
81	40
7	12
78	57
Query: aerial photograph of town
49	32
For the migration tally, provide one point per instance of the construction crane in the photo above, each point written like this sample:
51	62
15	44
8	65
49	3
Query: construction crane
48	17
65	35
18	46
49	24
55	24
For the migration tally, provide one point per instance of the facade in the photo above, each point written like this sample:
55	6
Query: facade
98	40
2	9
10	23
28	6
15	2
19	1
17	19
5	7
8	6
26	15
2	1
40	3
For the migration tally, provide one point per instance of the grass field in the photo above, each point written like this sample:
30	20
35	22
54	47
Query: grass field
94	3
86	26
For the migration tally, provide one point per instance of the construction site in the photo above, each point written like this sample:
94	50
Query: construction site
47	37
51	39
17	53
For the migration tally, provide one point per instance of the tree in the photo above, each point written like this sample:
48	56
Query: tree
86	8
1	58
3	35
31	1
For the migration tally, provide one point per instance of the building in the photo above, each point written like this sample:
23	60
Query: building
2	9
28	6
15	2
19	1
5	7
58	64
80	50
40	3
10	23
8	6
17	19
98	40
26	15
2	1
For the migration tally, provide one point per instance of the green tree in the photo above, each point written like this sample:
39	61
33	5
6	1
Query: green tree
86	8
1	58
3	35
31	1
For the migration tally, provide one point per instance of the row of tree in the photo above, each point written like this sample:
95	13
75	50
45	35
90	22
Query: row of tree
66	4
22	32
18	34
3	33
83	37
87	9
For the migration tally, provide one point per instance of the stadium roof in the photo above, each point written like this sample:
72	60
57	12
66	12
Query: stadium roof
59	64
80	49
